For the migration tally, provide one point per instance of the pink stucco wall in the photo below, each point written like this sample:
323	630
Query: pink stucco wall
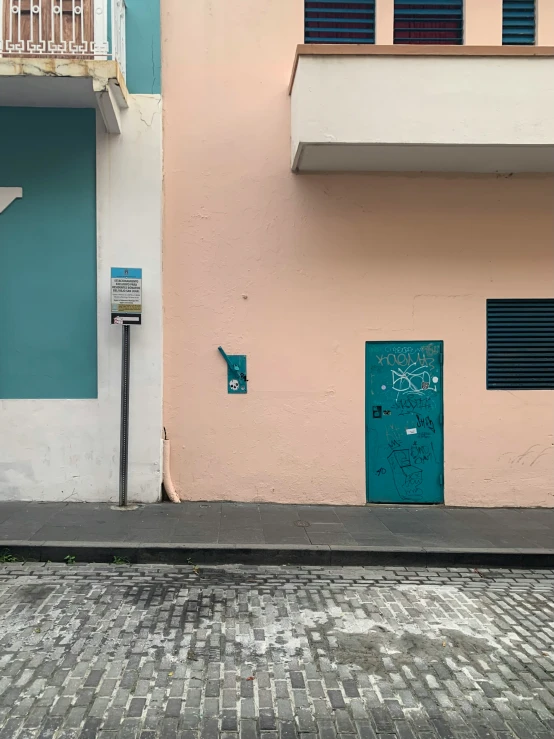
298	272
384	22
483	22
545	22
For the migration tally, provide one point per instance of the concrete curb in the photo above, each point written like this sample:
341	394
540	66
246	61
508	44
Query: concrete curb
275	554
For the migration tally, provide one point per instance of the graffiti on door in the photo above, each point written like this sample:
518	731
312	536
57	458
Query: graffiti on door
407	478
404	422
412	381
414	372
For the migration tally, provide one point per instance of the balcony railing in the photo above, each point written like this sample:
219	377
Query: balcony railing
82	29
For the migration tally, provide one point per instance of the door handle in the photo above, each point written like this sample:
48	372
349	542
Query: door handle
377	411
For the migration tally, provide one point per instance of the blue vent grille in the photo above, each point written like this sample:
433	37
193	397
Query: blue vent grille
429	22
335	22
520	344
518	22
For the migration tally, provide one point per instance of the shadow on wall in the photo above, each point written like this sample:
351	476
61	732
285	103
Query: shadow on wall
422	219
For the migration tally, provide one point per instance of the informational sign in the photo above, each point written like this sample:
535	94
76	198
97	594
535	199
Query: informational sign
126	296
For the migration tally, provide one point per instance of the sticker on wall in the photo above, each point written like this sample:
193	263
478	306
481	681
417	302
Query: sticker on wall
8	195
411	431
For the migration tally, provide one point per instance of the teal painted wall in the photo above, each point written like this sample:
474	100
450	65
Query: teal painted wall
48	345
143	39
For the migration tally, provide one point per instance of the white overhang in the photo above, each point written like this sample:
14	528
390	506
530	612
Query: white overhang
422	109
65	83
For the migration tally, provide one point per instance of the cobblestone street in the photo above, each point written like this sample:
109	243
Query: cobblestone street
125	652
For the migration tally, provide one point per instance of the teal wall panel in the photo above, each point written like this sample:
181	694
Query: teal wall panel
143	39
48	345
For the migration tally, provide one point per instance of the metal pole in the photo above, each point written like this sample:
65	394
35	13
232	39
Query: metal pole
124	438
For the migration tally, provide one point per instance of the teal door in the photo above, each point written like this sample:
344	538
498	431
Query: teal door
404	422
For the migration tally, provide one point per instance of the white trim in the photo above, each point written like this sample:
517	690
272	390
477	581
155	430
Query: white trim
109	110
100	10
8	195
111	10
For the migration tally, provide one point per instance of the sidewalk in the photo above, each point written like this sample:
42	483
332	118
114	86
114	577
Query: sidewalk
279	534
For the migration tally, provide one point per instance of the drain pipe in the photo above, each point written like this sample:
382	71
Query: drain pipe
167	481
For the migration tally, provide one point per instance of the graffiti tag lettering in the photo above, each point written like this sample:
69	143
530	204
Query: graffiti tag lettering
424	422
403	359
398	349
413	380
420	453
431	349
409	403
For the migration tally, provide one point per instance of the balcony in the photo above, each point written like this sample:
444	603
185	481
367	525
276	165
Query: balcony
475	109
64	53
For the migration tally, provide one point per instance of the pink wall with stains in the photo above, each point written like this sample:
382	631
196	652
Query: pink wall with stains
298	272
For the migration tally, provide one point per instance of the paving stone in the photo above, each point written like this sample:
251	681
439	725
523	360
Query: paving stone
365	730
297	680
284	710
350	688
248	729
210	729
136	707
173	707
265	699
287	730
326	730
344	723
49	728
90	729
166	652
247	708
336	699
229	721
212	689
266	720
305	721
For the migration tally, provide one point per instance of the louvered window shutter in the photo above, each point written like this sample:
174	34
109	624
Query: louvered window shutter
518	22
335	22
520	344
429	22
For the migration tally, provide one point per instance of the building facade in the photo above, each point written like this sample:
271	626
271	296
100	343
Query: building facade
359	210
80	193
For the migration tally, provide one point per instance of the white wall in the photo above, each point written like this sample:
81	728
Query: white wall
54	450
464	100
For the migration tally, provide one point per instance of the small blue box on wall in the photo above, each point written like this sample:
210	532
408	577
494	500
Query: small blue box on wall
236	372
